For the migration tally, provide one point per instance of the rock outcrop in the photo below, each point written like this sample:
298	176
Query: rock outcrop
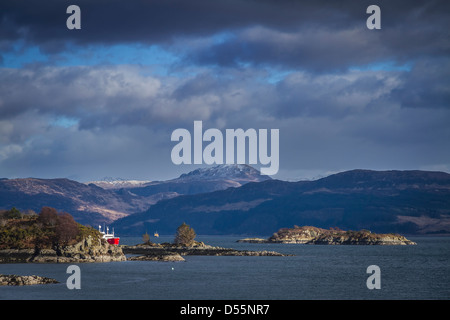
87	250
167	257
313	235
15	280
198	249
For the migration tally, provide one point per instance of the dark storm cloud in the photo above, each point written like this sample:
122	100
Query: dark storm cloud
409	32
114	21
317	35
333	96
122	117
102	97
308	68
426	86
97	96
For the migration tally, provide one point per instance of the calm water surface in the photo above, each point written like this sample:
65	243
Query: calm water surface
315	272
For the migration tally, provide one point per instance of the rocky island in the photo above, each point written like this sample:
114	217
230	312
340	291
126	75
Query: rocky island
15	280
184	244
333	236
88	250
174	252
51	237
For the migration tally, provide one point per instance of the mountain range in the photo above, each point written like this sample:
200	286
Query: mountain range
203	180
99	202
118	183
409	202
237	199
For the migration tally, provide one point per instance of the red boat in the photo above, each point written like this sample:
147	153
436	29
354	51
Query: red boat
109	236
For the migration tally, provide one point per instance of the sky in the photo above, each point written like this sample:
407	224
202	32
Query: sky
103	100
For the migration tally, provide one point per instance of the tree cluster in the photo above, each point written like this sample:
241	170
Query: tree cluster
44	230
14	213
65	227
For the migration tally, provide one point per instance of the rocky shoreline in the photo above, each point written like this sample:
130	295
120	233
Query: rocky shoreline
15	280
167	252
87	250
313	235
90	250
166	257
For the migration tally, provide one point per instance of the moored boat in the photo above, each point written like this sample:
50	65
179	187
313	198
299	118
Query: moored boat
110	237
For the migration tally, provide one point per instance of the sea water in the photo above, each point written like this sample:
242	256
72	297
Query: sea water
321	272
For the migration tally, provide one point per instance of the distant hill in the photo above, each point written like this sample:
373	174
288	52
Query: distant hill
203	180
88	204
408	202
110	199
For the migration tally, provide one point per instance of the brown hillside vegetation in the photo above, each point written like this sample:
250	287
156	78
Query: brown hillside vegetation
44	230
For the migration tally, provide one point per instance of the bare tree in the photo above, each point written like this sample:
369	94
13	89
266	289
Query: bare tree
66	228
146	238
48	216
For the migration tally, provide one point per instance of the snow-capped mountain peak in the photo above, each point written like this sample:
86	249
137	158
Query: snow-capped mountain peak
236	172
118	183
